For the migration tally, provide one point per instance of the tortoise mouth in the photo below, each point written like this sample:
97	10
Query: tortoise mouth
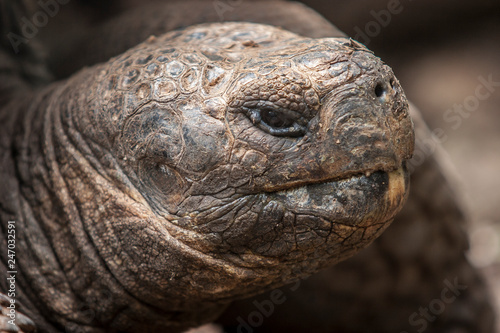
382	166
316	222
357	199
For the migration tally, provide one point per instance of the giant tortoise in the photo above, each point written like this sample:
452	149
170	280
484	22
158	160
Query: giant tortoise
181	166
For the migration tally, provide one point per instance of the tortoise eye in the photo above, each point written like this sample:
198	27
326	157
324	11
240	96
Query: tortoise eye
276	119
277	122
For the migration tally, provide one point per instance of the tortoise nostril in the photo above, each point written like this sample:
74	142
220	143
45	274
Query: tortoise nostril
379	90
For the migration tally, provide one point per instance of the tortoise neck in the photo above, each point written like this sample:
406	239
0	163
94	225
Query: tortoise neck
85	233
21	126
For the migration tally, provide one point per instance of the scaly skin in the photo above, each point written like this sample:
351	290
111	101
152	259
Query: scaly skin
414	277
199	167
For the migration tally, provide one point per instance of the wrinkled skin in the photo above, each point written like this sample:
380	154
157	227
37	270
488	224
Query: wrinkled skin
199	167
397	282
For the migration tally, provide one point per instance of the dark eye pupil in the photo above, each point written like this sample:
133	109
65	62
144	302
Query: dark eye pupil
276	119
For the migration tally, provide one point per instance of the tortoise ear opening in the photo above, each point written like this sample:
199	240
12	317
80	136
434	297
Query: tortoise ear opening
161	184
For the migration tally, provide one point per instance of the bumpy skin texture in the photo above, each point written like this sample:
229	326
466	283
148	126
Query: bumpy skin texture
199	167
402	280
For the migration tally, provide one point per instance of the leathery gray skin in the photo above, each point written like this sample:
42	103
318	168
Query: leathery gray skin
206	165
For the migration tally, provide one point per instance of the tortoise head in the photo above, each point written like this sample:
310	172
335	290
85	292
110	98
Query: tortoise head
261	156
